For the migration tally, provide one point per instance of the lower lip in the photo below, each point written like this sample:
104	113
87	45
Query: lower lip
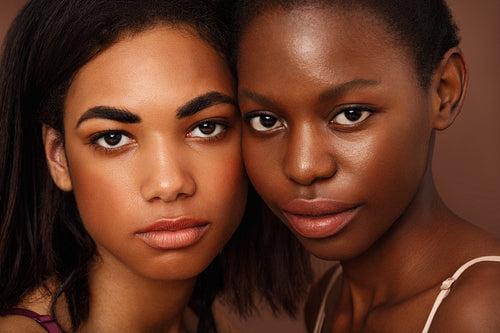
322	226
171	240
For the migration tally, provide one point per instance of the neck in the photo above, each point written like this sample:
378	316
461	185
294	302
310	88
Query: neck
397	265
122	301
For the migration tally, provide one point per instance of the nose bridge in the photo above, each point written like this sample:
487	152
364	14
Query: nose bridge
165	173
309	155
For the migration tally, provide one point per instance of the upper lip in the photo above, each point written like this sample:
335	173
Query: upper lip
173	224
316	207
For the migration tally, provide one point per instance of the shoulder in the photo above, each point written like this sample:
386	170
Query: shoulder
316	295
15	323
38	302
473	302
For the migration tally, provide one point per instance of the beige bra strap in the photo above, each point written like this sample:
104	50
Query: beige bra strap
446	285
321	313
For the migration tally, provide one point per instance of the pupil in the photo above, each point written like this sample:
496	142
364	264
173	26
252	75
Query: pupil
113	139
207	128
353	115
267	121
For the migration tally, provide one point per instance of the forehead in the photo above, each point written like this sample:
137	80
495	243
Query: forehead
162	50
313	28
322	42
153	66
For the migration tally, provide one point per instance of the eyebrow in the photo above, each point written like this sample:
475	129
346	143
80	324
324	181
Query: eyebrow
106	112
202	102
256	97
325	96
341	89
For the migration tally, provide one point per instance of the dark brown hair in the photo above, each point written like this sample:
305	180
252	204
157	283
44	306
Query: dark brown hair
41	234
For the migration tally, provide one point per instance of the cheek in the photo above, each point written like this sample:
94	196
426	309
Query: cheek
391	164
222	186
226	181
263	165
103	194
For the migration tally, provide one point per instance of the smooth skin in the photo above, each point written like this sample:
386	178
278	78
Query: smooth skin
334	109
152	132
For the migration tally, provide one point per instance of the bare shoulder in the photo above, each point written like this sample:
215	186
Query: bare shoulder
473	302
315	297
15	324
39	302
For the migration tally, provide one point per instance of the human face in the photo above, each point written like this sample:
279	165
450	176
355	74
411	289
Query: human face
152	141
337	130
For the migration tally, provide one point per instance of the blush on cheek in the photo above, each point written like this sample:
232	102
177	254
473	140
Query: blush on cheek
229	185
231	179
98	193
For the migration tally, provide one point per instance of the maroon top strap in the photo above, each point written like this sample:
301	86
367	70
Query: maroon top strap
45	321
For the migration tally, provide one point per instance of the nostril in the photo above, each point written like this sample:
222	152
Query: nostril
309	169
169	191
167	182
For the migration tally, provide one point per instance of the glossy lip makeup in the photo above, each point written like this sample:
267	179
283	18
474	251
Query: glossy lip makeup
319	218
170	234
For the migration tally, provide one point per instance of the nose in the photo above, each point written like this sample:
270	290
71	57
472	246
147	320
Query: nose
309	157
166	176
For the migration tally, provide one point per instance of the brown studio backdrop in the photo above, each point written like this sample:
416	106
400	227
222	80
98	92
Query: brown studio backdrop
467	155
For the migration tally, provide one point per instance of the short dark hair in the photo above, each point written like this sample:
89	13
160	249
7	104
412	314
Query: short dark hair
424	27
41	233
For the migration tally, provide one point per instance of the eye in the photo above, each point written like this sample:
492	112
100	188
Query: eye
207	129
264	122
111	140
351	116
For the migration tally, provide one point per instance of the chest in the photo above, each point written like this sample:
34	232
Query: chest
408	315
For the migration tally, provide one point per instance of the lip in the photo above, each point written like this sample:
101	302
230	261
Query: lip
170	234
319	218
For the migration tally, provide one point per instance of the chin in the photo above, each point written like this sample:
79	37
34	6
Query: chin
173	265
333	248
176	272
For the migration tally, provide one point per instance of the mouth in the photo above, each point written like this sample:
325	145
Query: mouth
171	234
319	218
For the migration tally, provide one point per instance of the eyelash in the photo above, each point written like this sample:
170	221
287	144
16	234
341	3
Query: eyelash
210	137
94	138
365	111
249	117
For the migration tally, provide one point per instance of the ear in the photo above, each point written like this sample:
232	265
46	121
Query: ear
56	158
450	84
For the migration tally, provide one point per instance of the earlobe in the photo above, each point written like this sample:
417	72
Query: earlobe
451	80
56	158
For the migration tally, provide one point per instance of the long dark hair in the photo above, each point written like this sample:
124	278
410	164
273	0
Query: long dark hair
42	237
